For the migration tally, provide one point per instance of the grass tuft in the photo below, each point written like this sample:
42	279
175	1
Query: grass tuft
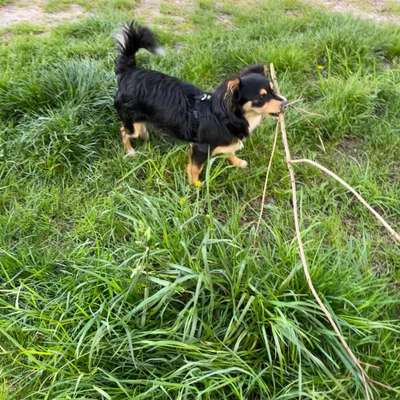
120	281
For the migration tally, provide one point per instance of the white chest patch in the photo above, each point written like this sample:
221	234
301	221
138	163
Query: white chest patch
253	119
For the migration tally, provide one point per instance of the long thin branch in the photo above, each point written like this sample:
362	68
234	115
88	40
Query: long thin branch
350	189
363	374
266	179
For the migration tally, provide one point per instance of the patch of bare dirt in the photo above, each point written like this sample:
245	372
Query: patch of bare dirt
376	10
148	10
352	148
173	10
225	20
33	12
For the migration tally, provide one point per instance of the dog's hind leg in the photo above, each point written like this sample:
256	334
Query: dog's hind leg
126	141
197	157
140	131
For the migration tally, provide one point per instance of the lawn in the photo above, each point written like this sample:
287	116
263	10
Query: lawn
118	280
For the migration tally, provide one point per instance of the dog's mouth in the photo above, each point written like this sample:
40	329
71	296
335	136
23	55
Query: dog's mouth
275	115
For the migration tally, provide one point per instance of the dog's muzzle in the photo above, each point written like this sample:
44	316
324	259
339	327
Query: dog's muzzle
284	105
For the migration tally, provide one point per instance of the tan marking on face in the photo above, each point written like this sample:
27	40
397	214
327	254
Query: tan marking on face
270	107
263	92
247	106
230	149
253	117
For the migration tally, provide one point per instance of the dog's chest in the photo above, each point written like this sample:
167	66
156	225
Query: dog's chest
253	119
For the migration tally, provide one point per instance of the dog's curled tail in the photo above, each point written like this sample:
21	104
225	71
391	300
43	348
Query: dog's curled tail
132	38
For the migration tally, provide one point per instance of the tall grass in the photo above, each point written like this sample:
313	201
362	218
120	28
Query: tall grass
120	281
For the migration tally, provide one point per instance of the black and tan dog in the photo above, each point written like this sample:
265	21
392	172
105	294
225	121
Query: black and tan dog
214	123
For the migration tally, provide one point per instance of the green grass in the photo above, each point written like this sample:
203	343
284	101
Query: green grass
118	280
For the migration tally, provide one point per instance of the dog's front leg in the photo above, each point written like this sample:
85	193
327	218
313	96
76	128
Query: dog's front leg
237	162
230	150
197	157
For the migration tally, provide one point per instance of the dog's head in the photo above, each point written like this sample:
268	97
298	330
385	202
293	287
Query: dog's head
252	92
243	101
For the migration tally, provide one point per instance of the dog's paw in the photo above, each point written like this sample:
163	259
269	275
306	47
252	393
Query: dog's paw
130	153
242	164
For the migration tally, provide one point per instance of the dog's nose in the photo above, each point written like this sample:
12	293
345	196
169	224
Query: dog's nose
284	105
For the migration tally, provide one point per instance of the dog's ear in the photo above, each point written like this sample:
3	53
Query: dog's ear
226	106
232	85
232	92
254	69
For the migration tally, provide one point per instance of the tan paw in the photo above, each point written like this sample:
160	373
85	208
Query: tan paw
242	164
237	162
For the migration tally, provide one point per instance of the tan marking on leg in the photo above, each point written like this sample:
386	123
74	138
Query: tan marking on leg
140	131
237	162
193	171
125	138
231	148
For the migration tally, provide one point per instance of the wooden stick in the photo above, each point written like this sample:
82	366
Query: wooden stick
266	179
356	362
352	190
388	387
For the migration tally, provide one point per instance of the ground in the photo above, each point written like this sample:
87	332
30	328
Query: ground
118	280
376	10
150	10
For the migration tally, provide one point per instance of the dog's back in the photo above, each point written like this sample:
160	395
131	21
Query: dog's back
150	96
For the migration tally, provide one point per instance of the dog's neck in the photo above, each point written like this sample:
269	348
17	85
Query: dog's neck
234	121
254	119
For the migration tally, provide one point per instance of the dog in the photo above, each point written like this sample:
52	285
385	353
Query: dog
214	123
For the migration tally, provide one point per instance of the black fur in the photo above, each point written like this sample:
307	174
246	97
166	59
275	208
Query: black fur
133	38
168	103
177	107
